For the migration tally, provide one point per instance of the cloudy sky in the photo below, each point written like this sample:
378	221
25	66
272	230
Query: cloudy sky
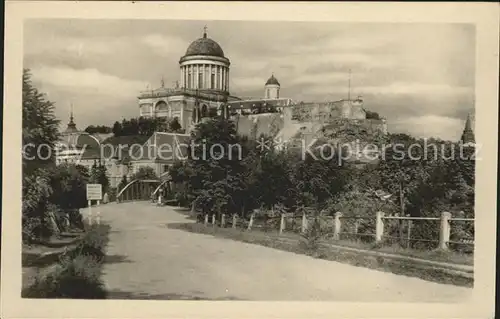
419	76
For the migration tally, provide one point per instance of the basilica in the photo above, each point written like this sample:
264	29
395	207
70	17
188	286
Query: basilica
202	92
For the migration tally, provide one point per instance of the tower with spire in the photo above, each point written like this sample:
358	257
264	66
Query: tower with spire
468	133
71	125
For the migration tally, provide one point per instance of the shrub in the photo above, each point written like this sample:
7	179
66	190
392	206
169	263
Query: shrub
77	275
314	234
68	184
112	192
76	278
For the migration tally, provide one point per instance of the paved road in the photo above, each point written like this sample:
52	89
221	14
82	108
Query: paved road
148	260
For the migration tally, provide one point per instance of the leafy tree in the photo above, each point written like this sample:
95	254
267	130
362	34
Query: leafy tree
372	115
36	193
144	173
40	127
174	125
68	183
91	129
122	183
98	175
214	171
40	133
117	129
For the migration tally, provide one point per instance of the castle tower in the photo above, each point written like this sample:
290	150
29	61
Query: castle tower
272	88
468	133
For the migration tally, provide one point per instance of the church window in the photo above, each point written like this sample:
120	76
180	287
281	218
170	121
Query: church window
189	78
267	94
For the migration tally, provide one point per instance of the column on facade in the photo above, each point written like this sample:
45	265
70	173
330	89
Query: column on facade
216	77
226	88
219	77
183	80
223	78
182	77
224	83
203	67
211	67
192	76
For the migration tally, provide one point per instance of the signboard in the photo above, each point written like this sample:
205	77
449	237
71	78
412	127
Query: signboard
94	192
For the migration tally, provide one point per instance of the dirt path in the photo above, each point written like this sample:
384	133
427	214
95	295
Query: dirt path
148	260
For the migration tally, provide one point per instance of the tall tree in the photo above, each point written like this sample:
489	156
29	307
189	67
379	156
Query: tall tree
117	129
68	184
98	175
40	127
174	125
40	133
144	173
215	167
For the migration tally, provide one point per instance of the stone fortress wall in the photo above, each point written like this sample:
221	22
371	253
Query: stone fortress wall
328	113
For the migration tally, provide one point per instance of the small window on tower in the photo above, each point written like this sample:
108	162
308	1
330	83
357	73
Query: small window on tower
212	81
267	94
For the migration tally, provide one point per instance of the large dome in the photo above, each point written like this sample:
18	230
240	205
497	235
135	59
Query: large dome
205	46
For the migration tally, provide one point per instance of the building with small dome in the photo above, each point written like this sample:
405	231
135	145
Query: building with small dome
81	148
272	88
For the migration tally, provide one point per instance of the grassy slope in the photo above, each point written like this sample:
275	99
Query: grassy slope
291	242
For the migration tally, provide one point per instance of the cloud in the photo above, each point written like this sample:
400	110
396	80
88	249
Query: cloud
89	80
167	45
428	126
418	74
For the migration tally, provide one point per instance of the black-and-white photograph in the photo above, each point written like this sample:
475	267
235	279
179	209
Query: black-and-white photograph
246	160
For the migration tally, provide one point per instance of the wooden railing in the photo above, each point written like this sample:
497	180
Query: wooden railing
410	232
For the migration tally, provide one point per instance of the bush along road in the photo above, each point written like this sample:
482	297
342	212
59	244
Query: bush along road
77	274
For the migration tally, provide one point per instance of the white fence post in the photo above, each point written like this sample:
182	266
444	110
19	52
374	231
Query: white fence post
304	223
444	231
206	220
282	223
379	227
337	226
250	224
223	220
213	219
234	220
